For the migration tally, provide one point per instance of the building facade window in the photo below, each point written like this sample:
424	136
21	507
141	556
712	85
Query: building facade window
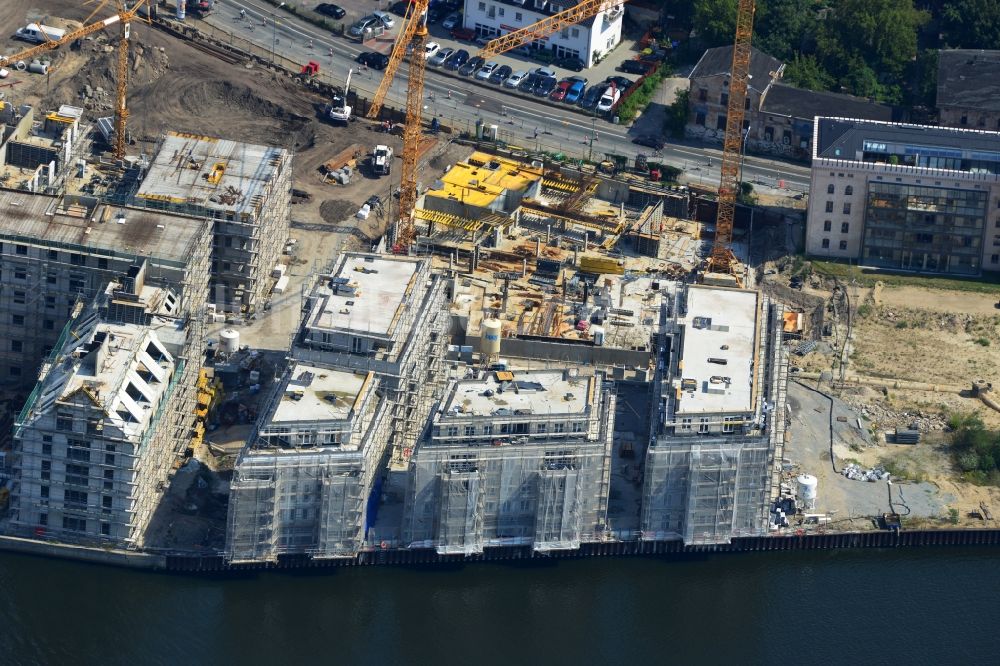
830	189
843	245
849	190
845	227
829	206
847	208
827	225
826	243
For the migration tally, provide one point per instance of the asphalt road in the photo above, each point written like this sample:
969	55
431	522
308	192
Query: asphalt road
461	101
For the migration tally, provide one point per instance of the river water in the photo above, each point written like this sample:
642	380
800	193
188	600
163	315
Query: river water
930	606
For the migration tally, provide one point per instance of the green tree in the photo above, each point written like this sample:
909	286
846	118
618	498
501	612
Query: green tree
715	21
806	72
883	33
785	28
971	24
677	115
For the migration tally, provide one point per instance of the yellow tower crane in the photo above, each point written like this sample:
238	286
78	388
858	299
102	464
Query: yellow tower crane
722	259
413	32
124	16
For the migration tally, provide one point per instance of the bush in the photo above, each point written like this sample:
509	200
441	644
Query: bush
677	116
983	342
976	449
639	99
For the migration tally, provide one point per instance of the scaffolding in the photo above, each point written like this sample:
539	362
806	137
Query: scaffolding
548	492
709	488
304	486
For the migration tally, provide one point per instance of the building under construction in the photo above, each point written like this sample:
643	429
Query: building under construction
57	250
387	315
111	414
308	481
242	189
718	426
513	458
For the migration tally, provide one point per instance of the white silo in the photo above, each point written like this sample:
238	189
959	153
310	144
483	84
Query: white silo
230	340
489	345
808	485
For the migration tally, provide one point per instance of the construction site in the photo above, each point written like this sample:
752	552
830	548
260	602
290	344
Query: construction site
480	351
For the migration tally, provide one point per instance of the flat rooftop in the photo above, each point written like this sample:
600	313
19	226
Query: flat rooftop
368	295
483	177
34	218
848	139
717	353
215	174
532	392
315	393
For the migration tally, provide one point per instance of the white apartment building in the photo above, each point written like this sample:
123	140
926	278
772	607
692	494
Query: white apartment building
304	483
906	197
517	458
709	469
95	442
587	40
388	315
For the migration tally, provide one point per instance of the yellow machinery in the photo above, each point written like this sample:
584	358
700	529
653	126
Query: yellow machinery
722	259
412	34
209	395
124	16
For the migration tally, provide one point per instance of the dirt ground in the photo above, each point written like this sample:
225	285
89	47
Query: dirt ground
174	86
934	337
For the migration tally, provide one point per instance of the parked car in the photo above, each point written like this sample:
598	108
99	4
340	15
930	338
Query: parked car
363	24
608	99
439	58
545	71
575	90
592	96
373	60
435	14
500	74
649	140
621	82
451	21
515	79
487	70
572	64
327	9
559	94
528	85
430	48
545	86
399	8
634	67
463	34
471	65
386	19
457	59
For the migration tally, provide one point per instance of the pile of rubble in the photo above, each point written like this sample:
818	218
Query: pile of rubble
888	418
856	472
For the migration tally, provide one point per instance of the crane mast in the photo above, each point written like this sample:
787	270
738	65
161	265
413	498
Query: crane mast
722	259
413	32
124	16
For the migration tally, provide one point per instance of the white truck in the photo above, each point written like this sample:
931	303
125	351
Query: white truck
339	110
382	160
39	34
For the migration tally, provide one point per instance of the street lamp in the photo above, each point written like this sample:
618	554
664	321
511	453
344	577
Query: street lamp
274	29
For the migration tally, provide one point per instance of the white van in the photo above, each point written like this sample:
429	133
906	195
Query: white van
39	34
